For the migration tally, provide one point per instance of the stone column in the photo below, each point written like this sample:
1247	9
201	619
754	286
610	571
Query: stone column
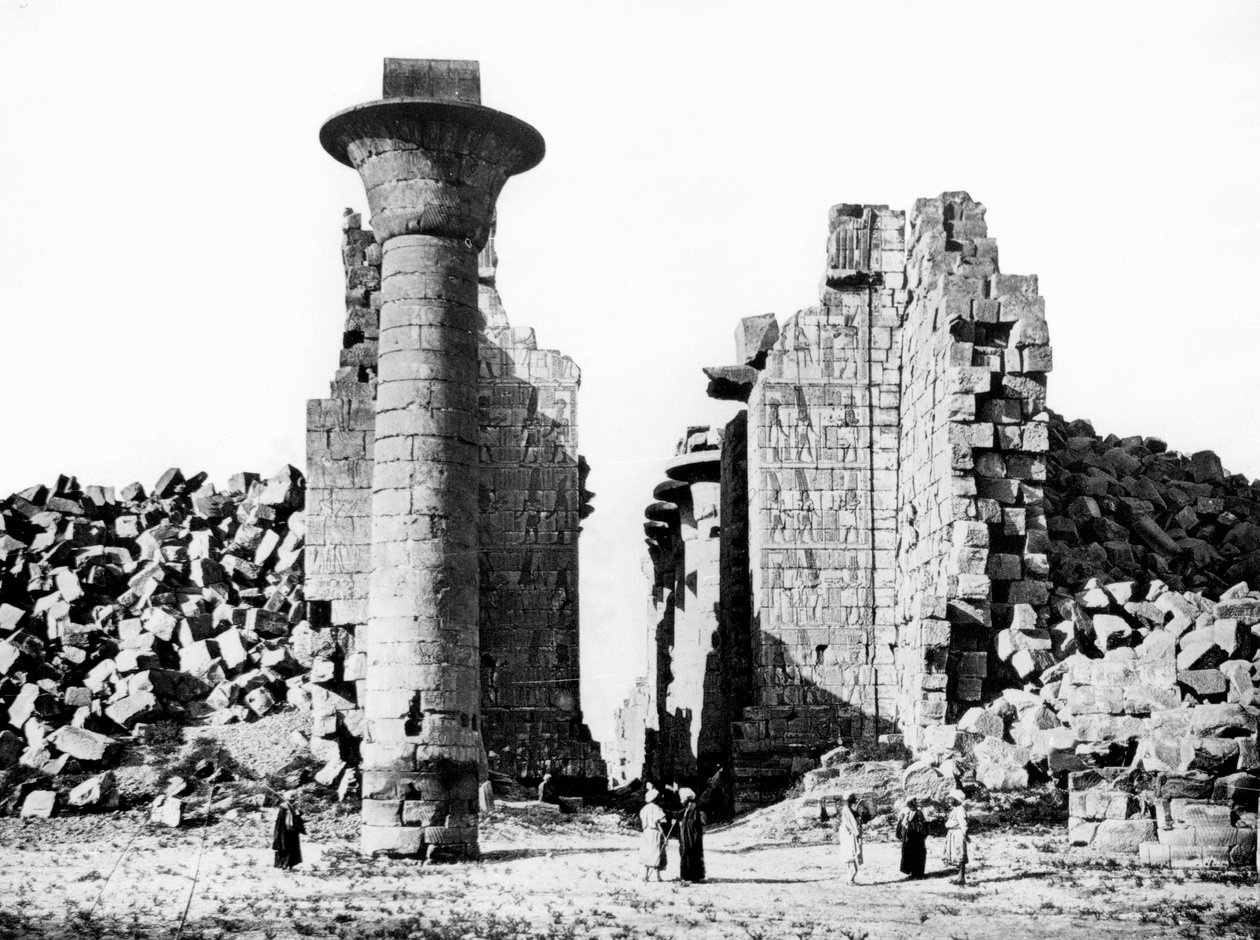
433	162
695	689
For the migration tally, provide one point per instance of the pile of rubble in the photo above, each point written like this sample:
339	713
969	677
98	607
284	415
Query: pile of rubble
1128	508
1142	701
120	608
1132	687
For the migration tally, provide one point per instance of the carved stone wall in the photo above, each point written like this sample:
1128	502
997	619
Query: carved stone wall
974	435
890	508
822	419
531	501
339	443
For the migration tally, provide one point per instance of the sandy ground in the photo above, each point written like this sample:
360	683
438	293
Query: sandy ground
117	876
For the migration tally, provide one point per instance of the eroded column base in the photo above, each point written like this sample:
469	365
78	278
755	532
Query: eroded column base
429	812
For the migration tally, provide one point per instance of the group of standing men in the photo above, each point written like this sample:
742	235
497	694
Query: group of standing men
676	809
665	812
912	833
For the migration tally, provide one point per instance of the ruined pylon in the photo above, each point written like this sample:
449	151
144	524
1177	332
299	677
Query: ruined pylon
433	161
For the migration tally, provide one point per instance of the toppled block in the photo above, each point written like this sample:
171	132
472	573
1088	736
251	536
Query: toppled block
39	803
99	792
82	744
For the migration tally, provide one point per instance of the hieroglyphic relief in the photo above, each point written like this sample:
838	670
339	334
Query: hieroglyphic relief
530	505
812	500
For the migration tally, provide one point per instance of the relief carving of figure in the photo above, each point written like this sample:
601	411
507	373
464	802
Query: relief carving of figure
806	434
806	513
557	430
844	441
801	343
808	588
843	347
531	438
489	680
562	593
850	411
490	583
776	435
532	510
774	501
488	424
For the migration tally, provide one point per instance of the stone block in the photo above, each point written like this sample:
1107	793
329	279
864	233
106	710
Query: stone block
100	792
82	744
134	708
167	811
406	841
1215	756
923	781
1123	836
39	804
1226	720
983	722
1202	683
1081	832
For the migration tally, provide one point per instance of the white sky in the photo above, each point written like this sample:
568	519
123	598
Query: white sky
169	271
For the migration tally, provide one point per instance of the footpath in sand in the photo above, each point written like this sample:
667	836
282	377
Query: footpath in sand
574	877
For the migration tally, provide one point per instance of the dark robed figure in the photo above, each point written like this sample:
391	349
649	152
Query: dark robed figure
912	831
287	838
690	824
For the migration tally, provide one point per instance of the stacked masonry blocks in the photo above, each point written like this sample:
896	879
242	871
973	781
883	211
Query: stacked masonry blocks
529	503
339	446
662	567
432	162
422	741
896	533
974	436
822	468
683	528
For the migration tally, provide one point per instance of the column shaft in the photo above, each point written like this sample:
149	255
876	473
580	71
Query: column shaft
421	752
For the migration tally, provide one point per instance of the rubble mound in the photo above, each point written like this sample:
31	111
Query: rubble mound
119	609
1129	508
1134	686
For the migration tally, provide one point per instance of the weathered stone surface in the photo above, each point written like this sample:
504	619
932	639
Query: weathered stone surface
983	722
1242	789
924	782
167	811
1203	683
134	708
39	803
1123	836
82	744
1228	720
11	748
99	792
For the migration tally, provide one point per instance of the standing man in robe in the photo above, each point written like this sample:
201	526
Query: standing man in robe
849	836
690	824
547	791
652	843
912	831
956	841
287	838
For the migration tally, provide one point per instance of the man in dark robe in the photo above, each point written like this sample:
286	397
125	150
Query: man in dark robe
286	839
690	824
714	800
670	803
912	831
547	791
